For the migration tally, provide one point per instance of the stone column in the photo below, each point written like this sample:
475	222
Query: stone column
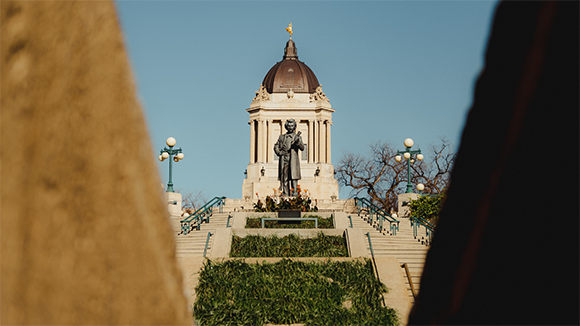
323	141
316	140
252	141
258	141
310	141
264	139
328	124
269	144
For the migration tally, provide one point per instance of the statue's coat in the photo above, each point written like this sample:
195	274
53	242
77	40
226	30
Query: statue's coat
284	141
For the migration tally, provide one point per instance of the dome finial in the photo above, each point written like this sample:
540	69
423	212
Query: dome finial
290	49
290	52
289	30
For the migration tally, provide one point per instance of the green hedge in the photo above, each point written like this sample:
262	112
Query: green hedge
323	223
314	293
289	246
427	206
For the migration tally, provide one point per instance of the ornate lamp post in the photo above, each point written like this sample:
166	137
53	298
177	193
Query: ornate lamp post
420	187
407	154
168	153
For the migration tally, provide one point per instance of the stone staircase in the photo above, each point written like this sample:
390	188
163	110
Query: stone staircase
193	244
403	246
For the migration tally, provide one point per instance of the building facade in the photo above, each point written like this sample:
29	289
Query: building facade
290	90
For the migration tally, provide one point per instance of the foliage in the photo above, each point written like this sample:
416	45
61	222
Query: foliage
289	246
427	207
383	179
287	292
299	202
323	223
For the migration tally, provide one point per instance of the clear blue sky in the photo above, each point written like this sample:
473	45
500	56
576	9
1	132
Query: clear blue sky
391	69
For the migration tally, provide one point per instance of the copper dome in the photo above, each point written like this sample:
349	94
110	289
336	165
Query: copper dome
290	74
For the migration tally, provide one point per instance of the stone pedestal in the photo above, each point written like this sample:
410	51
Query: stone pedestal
321	187
403	200
173	200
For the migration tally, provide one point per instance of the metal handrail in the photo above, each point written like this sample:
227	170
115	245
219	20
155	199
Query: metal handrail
429	228
216	200
202	214
350	218
425	222
368	234
209	234
410	281
381	214
376	269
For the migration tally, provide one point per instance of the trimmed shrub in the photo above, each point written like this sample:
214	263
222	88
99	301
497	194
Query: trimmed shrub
289	246
323	223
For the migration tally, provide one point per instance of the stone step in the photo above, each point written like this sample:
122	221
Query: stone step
399	245
193	244
393	238
403	246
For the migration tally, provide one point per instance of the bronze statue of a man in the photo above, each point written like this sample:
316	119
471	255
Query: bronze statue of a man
287	148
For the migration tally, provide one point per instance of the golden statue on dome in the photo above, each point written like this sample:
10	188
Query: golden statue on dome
289	30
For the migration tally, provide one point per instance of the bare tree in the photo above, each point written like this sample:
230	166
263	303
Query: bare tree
435	172
378	176
382	179
191	201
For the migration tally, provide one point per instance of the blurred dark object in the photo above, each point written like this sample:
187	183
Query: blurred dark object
506	246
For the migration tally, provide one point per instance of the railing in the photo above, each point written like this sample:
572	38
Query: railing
368	234
350	218
381	215
416	222
228	224
209	234
410	281
202	214
376	269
